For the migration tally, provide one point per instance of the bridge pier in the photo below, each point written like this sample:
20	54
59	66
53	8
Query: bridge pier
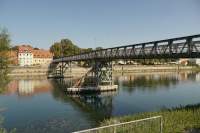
103	72
100	77
57	70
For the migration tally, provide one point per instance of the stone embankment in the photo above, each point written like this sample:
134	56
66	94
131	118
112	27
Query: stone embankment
148	68
78	71
28	71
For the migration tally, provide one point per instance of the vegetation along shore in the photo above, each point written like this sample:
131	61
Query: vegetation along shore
177	120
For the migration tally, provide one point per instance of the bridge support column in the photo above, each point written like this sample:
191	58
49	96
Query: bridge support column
57	70
103	72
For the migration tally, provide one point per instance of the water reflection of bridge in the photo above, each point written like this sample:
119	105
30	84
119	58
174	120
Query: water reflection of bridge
98	106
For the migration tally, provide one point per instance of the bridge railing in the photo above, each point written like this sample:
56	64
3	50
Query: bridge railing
184	47
147	125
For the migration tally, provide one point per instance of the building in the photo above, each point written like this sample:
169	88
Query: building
195	61
42	57
186	61
183	61
28	56
198	61
25	55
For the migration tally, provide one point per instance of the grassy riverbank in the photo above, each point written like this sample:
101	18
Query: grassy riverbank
3	130
177	120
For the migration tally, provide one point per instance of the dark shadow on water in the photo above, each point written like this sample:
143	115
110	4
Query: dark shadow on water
97	106
187	107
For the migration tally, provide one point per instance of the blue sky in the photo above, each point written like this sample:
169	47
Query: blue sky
92	23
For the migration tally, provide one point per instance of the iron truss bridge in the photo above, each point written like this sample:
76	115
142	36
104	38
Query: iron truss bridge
101	70
182	47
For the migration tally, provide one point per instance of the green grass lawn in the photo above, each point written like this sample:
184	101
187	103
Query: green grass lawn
176	120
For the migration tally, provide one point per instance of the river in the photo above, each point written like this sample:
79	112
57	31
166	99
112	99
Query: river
39	105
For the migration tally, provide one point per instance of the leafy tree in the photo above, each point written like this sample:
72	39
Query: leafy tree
4	40
15	48
68	48
56	49
4	47
65	47
87	50
98	48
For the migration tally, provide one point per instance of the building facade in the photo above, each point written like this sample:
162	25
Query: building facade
198	61
25	56
42	57
186	61
28	56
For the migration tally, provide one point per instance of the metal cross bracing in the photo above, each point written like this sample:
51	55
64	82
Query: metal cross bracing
58	69
103	72
182	47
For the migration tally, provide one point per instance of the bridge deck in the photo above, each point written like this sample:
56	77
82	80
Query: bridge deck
182	47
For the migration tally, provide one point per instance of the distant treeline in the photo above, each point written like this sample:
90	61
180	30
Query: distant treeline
66	48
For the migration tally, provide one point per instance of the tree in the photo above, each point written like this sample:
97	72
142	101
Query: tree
15	48
87	50
4	47
99	48
4	40
55	49
65	47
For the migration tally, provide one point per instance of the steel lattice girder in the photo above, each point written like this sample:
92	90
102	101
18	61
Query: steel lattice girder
58	69
183	47
103	72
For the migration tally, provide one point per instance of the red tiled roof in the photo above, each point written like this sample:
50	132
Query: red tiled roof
25	48
36	53
42	54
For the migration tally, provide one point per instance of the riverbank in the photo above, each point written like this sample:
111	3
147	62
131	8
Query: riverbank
178	120
27	71
152	68
143	93
42	71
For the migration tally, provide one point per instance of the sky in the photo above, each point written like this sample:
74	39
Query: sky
93	23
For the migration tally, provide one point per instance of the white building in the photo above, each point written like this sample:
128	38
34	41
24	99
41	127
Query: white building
198	61
195	61
25	56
